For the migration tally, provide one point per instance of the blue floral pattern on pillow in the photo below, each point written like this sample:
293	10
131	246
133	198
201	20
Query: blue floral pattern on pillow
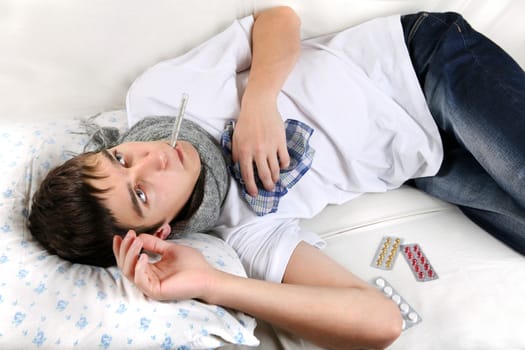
48	303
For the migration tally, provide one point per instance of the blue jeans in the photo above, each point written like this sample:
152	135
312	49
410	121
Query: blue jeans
476	94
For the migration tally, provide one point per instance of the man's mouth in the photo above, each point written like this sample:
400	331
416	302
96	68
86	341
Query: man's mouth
178	150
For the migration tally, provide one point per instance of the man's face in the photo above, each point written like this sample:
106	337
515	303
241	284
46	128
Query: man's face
149	182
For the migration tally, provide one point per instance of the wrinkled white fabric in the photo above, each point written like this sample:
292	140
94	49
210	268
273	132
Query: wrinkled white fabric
356	88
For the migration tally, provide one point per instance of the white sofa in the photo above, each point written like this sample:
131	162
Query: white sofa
62	60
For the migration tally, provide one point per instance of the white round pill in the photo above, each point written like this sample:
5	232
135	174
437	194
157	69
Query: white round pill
404	325
404	308
413	317
380	282
396	298
388	290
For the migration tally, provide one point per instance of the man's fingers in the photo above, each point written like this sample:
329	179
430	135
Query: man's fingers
154	244
247	174
268	171
144	277
117	241
265	174
284	157
275	169
130	259
126	242
124	246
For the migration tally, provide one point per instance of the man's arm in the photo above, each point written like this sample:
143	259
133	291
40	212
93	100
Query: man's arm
319	299
259	136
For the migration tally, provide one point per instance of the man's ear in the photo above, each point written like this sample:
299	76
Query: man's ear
163	232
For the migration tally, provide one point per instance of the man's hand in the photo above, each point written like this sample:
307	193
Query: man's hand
182	272
259	141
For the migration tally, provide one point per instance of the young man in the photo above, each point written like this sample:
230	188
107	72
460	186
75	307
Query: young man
376	123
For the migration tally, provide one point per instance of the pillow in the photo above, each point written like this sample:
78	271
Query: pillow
49	303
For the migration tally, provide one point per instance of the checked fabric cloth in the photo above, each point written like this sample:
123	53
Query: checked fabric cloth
301	155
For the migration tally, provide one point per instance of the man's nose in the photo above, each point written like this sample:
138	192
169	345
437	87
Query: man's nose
153	161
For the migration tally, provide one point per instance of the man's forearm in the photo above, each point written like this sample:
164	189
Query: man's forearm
259	136
332	317
275	49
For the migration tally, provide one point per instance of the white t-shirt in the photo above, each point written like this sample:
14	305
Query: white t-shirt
356	88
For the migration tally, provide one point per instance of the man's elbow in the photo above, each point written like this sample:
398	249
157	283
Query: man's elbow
286	13
389	333
289	13
387	329
378	331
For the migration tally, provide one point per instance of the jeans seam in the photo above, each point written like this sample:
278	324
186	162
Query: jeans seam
488	73
416	26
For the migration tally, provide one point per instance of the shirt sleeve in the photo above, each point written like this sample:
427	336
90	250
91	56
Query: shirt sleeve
207	73
265	246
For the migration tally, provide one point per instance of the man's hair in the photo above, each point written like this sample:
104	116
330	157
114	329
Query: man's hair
68	216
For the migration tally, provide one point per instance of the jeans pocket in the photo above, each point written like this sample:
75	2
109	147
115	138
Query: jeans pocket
416	26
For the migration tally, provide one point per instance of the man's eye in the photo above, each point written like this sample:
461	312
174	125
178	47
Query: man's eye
120	158
141	195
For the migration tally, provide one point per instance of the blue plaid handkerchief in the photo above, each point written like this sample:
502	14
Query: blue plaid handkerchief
301	155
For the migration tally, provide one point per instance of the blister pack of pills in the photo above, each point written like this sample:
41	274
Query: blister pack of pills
418	262
386	253
410	316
